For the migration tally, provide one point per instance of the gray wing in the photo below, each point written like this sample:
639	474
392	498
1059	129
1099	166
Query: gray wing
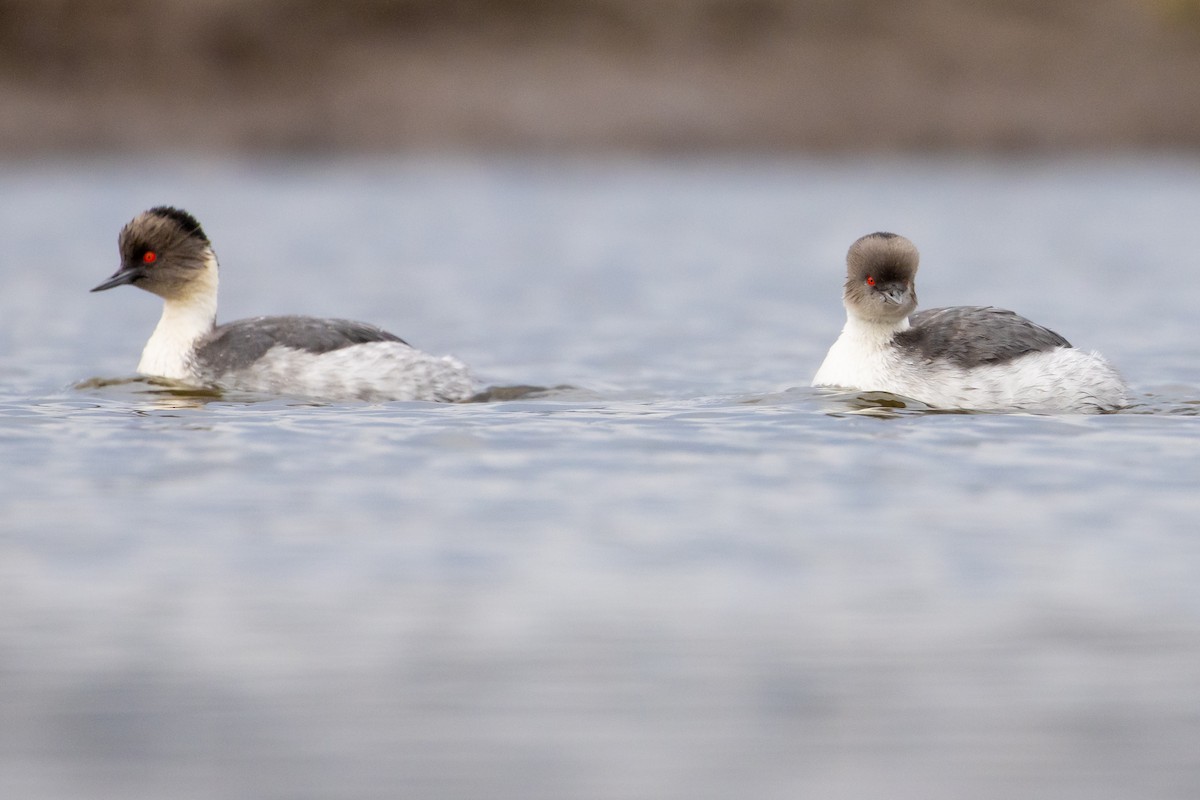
970	336
235	345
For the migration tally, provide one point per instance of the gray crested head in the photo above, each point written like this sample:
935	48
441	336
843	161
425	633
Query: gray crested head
880	272
164	251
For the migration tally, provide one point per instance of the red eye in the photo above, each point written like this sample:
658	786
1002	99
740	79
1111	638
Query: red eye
150	257
870	280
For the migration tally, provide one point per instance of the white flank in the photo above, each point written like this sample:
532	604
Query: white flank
373	372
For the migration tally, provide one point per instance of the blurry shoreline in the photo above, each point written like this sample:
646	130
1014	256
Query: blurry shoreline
821	76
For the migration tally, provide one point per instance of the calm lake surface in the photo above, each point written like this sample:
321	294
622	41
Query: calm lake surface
690	576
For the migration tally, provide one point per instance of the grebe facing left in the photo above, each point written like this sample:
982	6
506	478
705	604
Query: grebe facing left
165	252
967	357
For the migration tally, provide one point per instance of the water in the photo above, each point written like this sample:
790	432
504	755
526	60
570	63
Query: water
689	577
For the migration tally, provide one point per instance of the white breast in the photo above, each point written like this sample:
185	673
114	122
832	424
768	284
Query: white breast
862	357
186	317
168	353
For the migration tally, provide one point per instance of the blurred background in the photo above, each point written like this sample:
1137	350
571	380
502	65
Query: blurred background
692	577
648	75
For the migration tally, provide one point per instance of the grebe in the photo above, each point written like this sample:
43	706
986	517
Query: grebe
967	357
165	251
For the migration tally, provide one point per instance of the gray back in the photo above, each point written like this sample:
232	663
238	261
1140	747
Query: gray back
971	336
237	345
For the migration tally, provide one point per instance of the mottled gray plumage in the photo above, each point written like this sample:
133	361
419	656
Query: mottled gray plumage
237	345
971	336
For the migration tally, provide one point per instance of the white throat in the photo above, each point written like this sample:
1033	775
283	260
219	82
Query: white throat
185	318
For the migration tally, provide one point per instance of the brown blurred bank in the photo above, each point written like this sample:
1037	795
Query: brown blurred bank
564	75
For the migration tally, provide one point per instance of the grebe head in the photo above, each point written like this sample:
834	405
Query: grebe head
880	272
164	251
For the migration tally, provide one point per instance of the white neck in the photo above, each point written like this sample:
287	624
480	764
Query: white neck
872	329
860	354
185	318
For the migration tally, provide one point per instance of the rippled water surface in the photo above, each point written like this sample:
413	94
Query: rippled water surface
689	576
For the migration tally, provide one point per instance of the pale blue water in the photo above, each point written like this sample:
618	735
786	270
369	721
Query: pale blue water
691	577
